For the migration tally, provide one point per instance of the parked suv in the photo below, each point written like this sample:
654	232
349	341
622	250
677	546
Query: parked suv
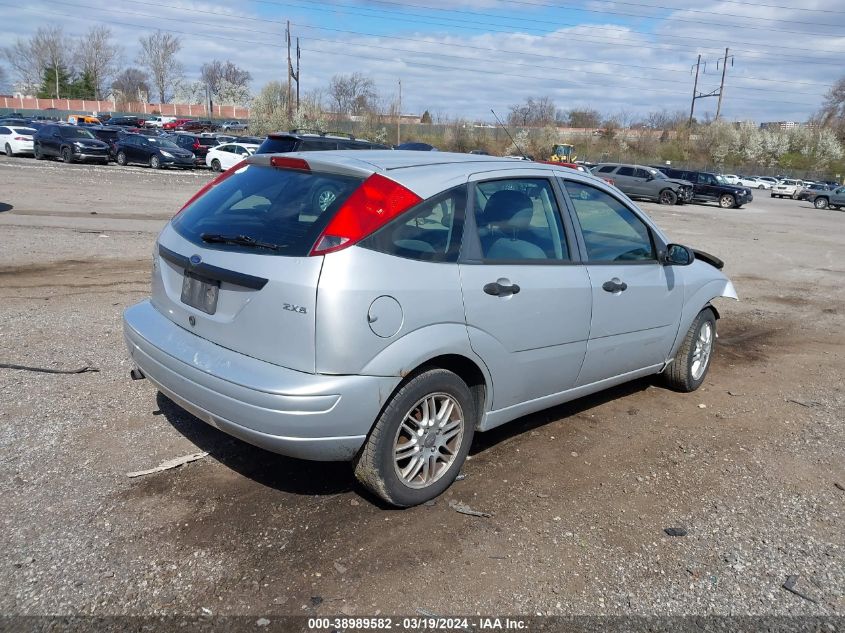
199	125
709	187
638	181
306	141
421	306
70	143
108	134
194	143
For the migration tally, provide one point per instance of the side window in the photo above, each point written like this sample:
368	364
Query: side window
429	232
5	130
625	171
641	173
612	232
224	148
518	219
607	169
316	146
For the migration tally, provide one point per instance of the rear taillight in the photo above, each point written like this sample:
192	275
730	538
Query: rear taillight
197	145
229	172
22	138
377	201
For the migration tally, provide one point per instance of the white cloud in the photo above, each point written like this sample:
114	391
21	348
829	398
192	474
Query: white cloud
605	66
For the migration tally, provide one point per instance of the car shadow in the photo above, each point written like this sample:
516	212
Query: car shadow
527	423
286	474
301	477
4	206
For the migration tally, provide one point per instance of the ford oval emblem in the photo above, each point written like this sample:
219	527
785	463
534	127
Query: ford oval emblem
195	259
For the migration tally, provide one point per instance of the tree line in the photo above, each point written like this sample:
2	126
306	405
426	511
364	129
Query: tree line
53	64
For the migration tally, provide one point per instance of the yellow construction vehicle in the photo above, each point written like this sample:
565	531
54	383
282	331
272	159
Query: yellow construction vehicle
562	153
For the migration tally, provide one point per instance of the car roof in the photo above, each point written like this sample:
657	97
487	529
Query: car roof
425	173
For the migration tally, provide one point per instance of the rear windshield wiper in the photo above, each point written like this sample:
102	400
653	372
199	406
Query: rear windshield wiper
240	240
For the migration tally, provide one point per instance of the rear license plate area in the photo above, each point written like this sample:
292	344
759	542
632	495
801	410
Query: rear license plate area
200	292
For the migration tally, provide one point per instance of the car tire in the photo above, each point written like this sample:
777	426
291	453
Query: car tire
9	151
155	162
37	151
67	155
727	201
668	197
692	362
795	196
215	165
121	159
401	480
761	187
820	203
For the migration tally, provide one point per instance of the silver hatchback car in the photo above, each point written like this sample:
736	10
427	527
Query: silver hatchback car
434	295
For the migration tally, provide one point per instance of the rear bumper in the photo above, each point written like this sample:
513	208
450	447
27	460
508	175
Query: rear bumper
310	416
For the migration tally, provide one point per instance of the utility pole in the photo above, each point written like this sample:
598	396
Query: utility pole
399	116
290	68
722	85
694	90
712	93
298	56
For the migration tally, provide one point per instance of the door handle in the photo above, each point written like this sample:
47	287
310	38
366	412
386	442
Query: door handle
614	285
501	290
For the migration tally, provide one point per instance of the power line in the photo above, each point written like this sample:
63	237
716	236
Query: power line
451	44
439	54
578	37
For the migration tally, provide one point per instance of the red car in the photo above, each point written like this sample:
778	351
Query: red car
175	124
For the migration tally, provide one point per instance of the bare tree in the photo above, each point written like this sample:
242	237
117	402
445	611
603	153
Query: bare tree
585	118
158	55
215	73
3	79
353	94
25	65
51	48
46	50
131	84
98	57
533	112
833	109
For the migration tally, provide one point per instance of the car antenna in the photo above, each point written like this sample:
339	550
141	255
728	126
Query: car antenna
499	121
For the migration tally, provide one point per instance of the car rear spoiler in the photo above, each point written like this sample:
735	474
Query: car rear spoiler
710	259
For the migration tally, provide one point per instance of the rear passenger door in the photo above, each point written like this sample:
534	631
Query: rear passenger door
526	294
636	301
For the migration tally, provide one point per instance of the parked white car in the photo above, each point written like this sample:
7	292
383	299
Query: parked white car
765	182
16	140
159	121
222	157
788	188
751	182
731	179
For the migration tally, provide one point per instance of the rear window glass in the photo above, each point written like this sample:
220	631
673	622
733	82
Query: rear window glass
277	145
281	207
207	141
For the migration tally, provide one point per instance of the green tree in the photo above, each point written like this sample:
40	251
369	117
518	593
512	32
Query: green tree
53	87
83	87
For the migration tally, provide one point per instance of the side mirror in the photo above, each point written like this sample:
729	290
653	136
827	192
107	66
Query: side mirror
677	255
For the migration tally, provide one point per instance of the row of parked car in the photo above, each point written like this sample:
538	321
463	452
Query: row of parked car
668	185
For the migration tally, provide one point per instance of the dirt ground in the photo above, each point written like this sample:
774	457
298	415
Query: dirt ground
579	495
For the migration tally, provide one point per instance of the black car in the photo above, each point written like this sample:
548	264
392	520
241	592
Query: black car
109	134
199	125
70	143
300	141
708	187
126	121
15	121
194	143
153	151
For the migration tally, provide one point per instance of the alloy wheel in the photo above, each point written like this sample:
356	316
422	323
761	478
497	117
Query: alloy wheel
428	440
702	350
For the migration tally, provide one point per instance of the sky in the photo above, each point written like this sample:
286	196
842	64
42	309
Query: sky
460	58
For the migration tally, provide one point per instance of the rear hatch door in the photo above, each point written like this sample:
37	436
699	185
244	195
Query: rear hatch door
234	267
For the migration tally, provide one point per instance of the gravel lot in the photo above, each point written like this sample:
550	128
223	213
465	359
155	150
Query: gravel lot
751	465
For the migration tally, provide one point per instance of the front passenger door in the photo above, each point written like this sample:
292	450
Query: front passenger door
636	300
526	298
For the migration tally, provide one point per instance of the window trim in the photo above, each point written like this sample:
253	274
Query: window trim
471	253
657	244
